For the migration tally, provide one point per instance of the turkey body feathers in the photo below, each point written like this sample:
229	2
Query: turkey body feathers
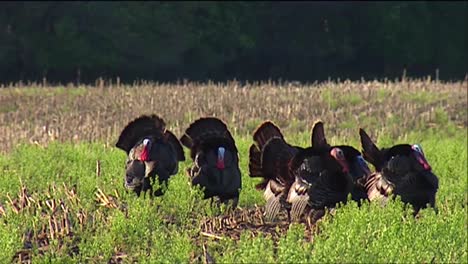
358	168
150	146
320	181
224	183
210	143
275	159
400	170
270	158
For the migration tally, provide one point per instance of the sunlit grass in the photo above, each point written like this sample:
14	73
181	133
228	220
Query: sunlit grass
370	233
58	144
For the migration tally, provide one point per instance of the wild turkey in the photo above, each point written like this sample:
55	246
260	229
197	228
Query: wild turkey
269	157
322	180
294	177
216	159
151	150
401	170
357	165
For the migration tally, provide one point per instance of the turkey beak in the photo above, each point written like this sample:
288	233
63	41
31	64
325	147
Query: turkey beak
339	156
422	160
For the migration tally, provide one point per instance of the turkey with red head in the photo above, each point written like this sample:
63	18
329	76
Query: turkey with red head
357	165
400	170
216	159
296	178
151	150
324	176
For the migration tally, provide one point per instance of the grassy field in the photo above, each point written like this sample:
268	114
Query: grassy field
62	198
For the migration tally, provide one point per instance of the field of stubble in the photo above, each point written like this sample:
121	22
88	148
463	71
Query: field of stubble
62	197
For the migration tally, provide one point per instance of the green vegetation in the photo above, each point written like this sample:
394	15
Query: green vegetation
62	198
141	232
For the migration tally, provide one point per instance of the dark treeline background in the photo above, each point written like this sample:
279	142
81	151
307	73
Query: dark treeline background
167	41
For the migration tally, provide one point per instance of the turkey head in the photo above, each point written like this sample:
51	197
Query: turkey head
153	153
357	165
215	159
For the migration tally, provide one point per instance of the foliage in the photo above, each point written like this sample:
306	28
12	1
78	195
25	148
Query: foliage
81	41
141	232
67	176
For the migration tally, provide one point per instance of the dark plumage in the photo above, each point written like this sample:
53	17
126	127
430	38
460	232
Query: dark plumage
322	180
357	165
401	170
269	157
294	177
216	159
151	150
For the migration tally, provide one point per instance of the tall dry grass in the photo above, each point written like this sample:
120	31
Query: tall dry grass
38	113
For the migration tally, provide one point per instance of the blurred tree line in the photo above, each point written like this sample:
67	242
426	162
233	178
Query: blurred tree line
167	41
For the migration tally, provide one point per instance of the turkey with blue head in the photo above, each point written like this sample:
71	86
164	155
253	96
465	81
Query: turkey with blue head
401	170
215	159
324	176
153	153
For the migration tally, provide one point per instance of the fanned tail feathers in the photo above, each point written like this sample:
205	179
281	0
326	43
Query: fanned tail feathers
255	166
265	132
142	126
269	156
207	132
261	136
174	141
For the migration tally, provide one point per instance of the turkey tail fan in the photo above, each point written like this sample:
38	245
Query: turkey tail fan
207	130
265	132
174	141
255	161
204	128
370	151
142	126
255	167
269	163
268	158
261	136
318	139
276	156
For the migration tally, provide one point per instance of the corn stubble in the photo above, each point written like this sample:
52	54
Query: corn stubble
59	220
41	115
